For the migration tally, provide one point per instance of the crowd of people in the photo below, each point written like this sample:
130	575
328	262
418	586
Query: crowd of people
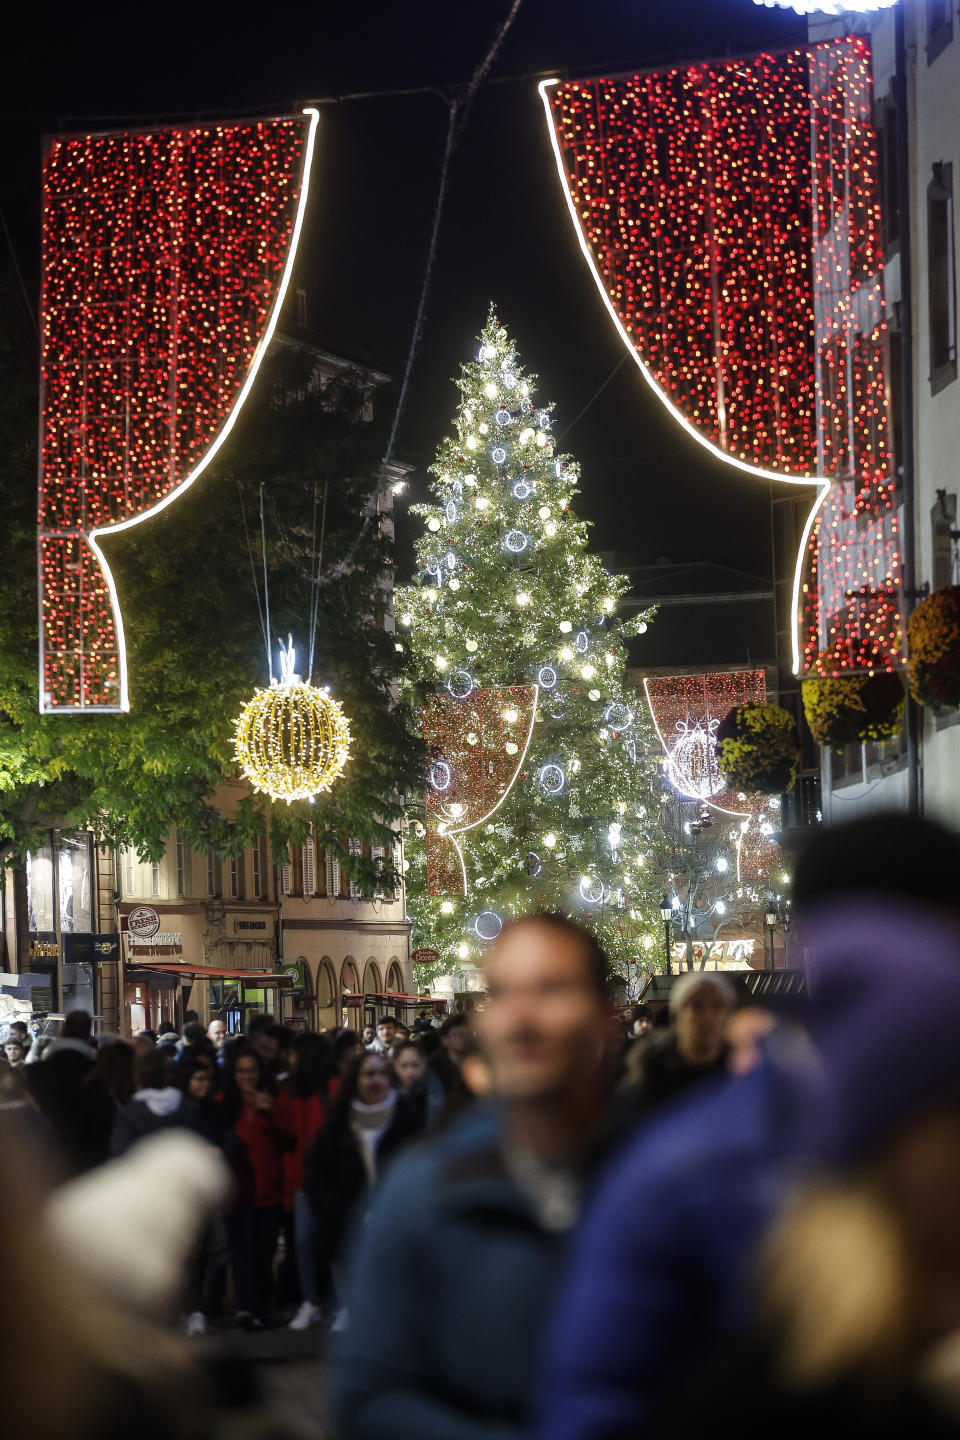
304	1121
631	1223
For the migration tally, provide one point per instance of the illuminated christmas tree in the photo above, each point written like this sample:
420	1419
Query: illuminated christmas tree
542	786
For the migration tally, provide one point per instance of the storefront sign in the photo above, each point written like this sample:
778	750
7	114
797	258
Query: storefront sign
251	926
44	947
296	972
425	956
143	922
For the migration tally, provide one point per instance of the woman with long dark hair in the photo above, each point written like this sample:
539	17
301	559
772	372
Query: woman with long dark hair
109	1086
314	1079
369	1121
204	1115
259	1130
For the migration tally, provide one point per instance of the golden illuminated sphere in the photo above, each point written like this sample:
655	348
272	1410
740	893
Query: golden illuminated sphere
292	741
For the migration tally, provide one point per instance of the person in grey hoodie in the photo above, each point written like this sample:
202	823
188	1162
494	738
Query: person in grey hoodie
155	1104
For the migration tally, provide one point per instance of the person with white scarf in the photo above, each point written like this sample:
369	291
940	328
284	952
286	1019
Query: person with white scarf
368	1123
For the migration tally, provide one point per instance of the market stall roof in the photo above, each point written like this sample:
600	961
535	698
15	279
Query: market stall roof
758	985
219	972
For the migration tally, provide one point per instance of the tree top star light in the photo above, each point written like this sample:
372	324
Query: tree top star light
292	740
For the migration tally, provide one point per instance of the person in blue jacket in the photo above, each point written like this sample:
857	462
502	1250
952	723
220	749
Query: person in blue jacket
488	1203
660	1273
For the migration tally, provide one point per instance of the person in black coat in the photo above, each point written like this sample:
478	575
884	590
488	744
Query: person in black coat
57	1085
369	1122
194	1076
156	1104
692	1050
108	1087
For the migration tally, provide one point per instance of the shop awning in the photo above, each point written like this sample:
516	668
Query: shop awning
393	997
210	972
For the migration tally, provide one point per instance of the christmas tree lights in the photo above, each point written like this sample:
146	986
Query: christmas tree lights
166	256
540	790
730	216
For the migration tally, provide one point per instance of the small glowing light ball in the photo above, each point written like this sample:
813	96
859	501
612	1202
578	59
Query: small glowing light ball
292	741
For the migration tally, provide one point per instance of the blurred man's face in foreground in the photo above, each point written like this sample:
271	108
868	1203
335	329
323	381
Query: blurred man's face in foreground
701	1026
745	1034
544	1026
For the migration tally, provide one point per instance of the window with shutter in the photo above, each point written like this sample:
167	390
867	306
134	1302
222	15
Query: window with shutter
377	853
309	867
332	877
355	848
286	879
320	874
256	858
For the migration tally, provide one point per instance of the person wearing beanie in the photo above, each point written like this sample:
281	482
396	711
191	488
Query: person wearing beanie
693	1049
662	1282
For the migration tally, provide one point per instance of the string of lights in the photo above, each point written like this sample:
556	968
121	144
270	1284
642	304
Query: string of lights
166	255
730	214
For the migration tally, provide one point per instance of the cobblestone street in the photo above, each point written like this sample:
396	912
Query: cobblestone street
290	1372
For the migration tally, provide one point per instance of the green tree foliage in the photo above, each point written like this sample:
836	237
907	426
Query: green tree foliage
195	646
509	594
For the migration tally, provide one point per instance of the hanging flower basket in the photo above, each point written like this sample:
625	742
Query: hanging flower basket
758	749
933	643
842	709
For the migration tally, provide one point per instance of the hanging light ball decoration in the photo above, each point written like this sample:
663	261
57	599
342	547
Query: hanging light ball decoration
293	739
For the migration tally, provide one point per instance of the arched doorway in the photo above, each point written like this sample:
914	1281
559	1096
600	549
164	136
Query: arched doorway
372	979
350	991
395	978
328	1010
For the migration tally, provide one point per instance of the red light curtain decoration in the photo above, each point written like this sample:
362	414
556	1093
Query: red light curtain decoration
166	257
729	213
473	762
686	710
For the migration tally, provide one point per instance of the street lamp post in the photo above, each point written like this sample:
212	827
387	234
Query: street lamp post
666	911
771	919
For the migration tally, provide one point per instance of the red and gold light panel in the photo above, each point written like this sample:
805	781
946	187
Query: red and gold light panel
730	215
475	752
166	256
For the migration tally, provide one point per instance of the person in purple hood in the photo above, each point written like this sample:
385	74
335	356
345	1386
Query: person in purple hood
661	1276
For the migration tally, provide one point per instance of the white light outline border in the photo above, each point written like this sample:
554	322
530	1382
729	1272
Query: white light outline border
462	829
450	833
741	814
93	536
738	464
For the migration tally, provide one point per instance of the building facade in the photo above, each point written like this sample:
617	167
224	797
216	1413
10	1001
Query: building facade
872	777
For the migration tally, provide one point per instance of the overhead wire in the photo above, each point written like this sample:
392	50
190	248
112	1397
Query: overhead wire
458	112
253	571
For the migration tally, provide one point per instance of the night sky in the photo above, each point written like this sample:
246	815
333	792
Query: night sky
506	236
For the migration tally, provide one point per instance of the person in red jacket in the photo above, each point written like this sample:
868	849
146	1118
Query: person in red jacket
312	1084
261	1130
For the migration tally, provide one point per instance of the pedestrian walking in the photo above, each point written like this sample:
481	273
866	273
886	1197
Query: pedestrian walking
313	1083
661	1277
259	1130
155	1104
692	1050
369	1122
491	1201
